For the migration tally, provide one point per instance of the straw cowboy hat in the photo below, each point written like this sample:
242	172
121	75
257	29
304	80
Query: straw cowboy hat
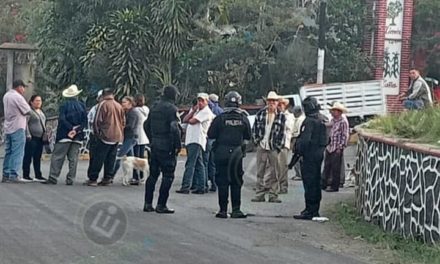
339	106
284	100
203	96
71	91
272	96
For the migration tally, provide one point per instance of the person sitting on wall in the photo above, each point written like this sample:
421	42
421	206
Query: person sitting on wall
418	95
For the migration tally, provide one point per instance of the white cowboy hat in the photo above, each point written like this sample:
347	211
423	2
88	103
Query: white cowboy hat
272	96
71	91
339	106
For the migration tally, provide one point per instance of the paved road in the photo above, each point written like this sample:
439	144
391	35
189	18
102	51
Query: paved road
50	224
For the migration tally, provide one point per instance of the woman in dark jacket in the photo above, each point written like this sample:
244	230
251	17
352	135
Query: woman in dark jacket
130	131
36	127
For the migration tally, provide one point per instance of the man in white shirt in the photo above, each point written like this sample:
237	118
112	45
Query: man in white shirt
199	119
283	156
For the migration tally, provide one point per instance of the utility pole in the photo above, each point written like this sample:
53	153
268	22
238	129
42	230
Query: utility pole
321	41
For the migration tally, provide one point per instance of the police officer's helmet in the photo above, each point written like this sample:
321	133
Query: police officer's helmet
171	92
311	105
232	99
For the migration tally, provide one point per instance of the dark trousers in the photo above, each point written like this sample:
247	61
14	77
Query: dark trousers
165	162
32	153
139	151
229	175
332	169
208	160
101	154
311	176
211	169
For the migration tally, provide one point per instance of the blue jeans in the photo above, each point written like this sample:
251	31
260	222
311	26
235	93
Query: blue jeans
413	104
194	168
14	153
125	150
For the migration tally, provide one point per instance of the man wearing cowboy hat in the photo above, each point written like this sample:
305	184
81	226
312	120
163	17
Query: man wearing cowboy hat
335	150
268	133
71	122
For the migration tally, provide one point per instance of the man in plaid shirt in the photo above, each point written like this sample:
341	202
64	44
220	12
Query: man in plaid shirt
268	133
335	150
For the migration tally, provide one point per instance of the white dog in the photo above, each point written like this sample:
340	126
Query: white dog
133	163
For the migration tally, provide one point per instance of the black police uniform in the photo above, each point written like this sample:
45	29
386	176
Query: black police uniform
229	130
162	128
311	145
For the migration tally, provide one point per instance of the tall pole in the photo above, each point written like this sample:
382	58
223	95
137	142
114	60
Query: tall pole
10	70
321	41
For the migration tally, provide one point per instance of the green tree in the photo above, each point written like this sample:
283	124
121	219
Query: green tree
125	40
345	61
426	35
171	21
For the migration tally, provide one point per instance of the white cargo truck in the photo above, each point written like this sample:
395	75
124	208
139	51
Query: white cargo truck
362	99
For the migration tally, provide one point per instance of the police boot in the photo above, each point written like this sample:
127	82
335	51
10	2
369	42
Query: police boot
236	202
223	201
165	187
237	213
222	214
148	208
163	209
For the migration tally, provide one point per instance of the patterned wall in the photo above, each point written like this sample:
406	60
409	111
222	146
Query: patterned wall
398	189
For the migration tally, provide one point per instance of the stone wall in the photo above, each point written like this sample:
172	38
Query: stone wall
398	186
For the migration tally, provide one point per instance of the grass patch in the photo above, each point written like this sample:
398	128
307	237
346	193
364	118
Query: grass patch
422	126
404	251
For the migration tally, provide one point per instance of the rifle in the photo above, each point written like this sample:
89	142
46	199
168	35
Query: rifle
294	160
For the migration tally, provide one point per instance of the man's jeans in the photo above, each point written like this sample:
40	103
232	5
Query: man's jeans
194	168
14	153
125	150
413	104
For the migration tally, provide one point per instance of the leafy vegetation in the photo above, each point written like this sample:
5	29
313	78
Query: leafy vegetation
403	251
124	43
210	45
421	126
426	34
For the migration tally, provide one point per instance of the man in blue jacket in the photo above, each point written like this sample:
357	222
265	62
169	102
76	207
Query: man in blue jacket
71	122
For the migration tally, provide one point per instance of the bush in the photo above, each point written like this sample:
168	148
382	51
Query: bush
420	126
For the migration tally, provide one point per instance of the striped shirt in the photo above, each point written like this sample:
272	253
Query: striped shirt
338	134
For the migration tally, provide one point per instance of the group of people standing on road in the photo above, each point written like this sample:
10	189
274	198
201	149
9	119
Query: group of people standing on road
215	140
111	123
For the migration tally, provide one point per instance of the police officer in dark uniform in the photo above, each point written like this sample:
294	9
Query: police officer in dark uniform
163	129
230	130
311	145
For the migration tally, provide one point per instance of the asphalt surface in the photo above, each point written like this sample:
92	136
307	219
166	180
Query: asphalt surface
80	224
